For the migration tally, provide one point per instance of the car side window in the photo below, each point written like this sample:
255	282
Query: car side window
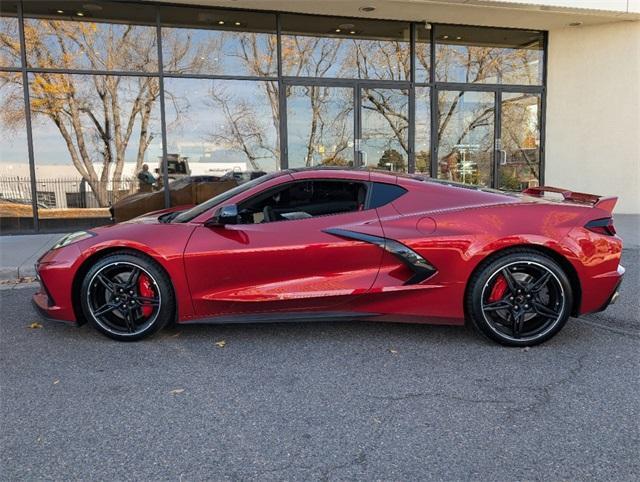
304	199
382	193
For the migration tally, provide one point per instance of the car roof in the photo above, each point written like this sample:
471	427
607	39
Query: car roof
346	171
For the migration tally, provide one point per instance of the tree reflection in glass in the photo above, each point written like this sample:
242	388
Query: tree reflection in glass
465	136
320	126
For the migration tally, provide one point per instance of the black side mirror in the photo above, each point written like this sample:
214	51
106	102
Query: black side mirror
226	215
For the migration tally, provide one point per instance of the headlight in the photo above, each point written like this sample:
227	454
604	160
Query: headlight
71	238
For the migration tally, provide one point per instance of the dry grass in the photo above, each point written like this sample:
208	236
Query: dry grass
11	210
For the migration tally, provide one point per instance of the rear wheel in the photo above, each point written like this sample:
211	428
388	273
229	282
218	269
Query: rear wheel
127	297
522	298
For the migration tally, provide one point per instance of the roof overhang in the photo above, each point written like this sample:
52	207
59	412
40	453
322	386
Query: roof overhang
529	14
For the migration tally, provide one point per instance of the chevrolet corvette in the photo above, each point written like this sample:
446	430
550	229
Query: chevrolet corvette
337	244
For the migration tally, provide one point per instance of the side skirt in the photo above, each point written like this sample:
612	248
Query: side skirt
280	317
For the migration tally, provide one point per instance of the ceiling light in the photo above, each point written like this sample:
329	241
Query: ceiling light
367	9
237	24
352	32
458	38
220	22
445	37
338	30
80	14
59	11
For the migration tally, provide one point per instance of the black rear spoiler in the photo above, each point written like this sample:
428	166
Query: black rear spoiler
602	202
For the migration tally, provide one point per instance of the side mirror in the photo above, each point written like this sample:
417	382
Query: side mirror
226	215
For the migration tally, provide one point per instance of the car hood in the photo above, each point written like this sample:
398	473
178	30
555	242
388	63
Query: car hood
152	217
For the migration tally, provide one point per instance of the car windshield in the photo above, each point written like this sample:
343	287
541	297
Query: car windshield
195	211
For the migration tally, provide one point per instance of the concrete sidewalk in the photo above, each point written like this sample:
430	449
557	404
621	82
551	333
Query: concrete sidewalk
19	253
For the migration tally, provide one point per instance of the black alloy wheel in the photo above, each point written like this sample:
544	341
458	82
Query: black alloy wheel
127	297
521	299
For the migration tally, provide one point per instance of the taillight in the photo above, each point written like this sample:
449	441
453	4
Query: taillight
601	226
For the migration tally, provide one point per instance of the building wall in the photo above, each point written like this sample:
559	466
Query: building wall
593	111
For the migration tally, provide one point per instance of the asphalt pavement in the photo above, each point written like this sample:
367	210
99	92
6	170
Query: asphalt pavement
321	401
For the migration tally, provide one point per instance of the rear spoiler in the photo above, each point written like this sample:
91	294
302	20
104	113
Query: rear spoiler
605	203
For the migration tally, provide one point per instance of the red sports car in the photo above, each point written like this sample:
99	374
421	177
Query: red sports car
328	244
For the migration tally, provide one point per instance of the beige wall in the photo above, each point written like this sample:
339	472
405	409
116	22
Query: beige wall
593	111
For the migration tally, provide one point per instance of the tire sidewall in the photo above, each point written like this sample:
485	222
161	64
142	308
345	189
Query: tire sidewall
167	305
479	280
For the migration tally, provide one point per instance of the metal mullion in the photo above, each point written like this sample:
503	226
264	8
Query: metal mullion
328	82
27	115
497	137
357	126
433	103
368	83
529	89
542	118
411	161
282	101
163	117
174	75
38	70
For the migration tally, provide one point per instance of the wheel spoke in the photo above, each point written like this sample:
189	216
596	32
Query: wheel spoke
133	278
498	305
540	283
106	282
512	283
106	308
128	317
517	323
146	301
543	310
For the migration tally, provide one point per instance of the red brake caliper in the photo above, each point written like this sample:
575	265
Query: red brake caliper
145	288
499	289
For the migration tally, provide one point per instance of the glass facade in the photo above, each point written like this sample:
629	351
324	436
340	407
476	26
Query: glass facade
105	103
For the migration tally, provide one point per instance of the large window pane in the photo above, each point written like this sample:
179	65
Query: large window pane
423	130
385	128
348	48
218	42
9	35
423	52
465	136
488	55
69	41
92	136
320	125
519	166
16	212
223	125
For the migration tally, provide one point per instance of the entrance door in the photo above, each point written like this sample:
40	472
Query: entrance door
518	145
347	123
488	138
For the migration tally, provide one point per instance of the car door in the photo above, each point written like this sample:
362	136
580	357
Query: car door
283	265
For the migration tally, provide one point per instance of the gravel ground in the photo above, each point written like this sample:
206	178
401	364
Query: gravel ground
320	401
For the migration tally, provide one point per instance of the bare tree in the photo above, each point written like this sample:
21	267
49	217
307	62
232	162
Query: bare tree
99	117
243	130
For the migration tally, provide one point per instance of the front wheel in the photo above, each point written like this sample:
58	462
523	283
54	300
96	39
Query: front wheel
520	299
127	297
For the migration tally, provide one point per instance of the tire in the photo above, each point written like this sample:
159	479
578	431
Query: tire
519	298
127	296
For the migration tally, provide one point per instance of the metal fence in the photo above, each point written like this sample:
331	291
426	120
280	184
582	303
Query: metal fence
64	193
